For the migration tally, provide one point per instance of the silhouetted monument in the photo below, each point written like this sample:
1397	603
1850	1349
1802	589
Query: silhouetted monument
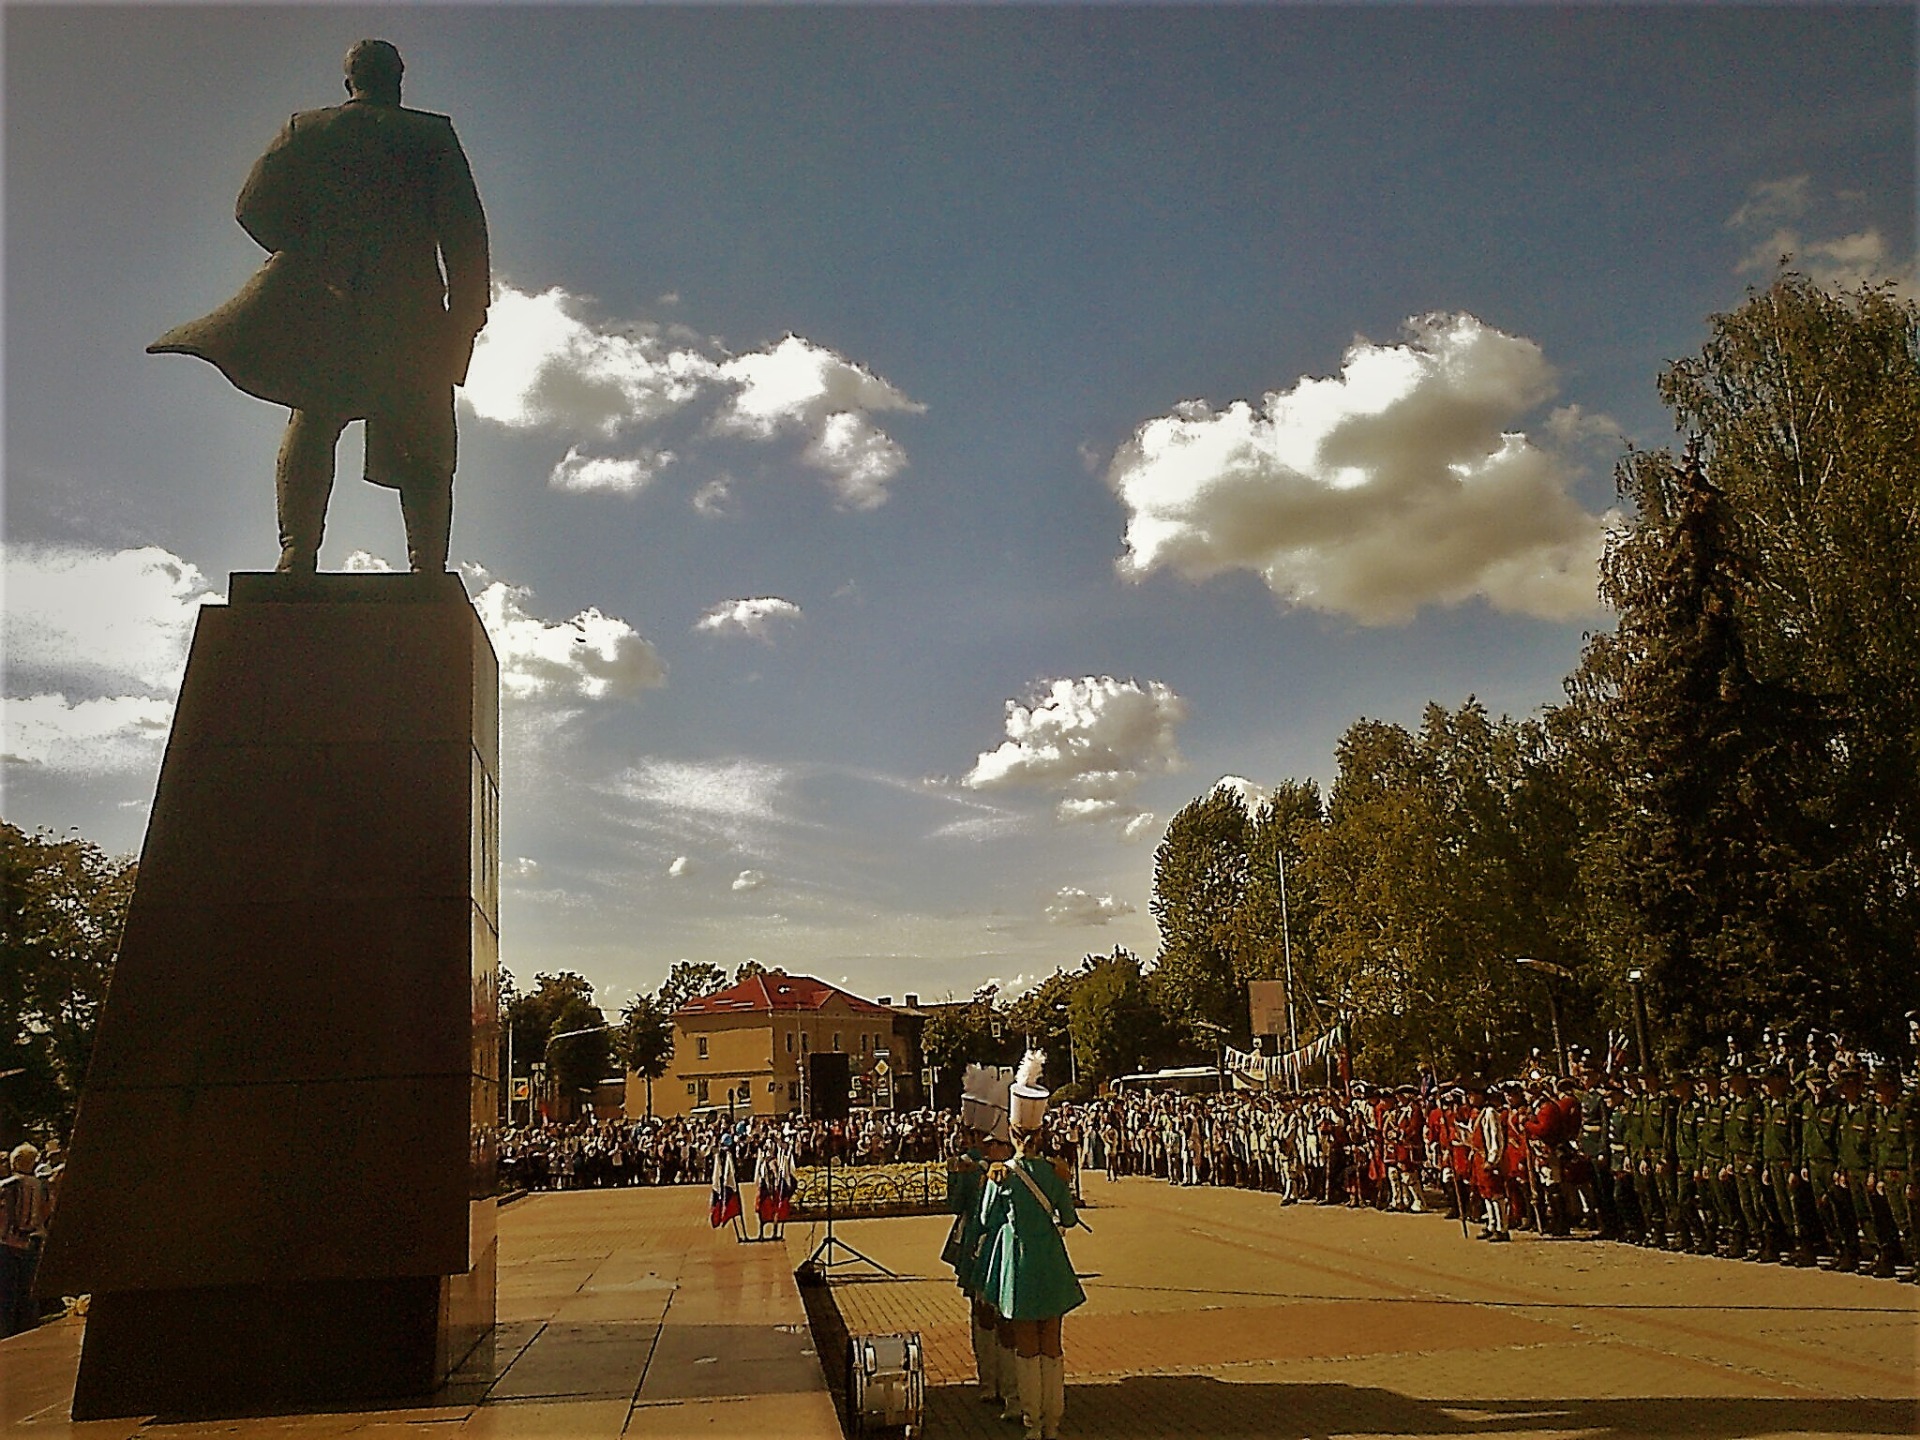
363	206
280	1188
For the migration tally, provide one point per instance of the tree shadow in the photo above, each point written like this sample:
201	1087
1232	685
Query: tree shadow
1145	1406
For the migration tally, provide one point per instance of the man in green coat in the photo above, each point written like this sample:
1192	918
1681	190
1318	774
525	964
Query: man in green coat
1852	1177
1716	1218
1743	1162
1683	1162
1820	1154
1891	1169
1779	1152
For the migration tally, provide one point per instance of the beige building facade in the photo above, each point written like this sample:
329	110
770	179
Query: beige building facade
745	1048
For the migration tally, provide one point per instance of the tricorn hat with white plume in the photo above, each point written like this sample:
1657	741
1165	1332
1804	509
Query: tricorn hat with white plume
983	1099
1027	1105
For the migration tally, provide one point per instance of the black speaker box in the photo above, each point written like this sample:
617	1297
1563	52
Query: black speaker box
829	1085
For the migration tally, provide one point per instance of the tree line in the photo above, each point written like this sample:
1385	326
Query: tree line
1725	805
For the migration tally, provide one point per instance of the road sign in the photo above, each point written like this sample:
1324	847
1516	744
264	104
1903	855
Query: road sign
522	1089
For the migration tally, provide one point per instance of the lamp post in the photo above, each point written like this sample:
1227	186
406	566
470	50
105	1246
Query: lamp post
1548	970
1073	1059
1637	980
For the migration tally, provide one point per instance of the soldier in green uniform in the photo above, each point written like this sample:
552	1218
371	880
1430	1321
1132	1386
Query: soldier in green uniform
1716	1219
1683	1163
1628	1224
1743	1162
1645	1140
1779	1154
1854	1153
1891	1169
1819	1154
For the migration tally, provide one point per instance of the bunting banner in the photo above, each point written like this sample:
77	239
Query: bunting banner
1252	1070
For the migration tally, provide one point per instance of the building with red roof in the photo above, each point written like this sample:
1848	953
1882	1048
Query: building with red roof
745	1048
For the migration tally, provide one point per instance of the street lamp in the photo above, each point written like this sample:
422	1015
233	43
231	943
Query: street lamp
1636	979
1073	1060
1549	970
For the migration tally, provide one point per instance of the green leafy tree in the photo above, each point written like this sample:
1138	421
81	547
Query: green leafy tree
1117	1024
1200	877
959	1035
1040	1015
63	904
643	1041
689	980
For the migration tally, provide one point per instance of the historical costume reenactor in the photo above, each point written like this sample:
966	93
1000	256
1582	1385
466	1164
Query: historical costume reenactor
1744	1164
724	1198
1487	1137
1893	1104
774	1184
1026	1274
1779	1147
1852	1180
983	1121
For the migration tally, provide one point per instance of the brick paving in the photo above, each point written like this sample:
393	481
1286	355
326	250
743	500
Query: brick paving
621	1313
1219	1313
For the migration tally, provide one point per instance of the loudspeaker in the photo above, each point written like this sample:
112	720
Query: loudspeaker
829	1085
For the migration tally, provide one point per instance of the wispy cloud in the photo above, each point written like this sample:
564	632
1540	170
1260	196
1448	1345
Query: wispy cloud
590	657
1783	219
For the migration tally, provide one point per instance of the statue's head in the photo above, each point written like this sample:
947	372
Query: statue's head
373	71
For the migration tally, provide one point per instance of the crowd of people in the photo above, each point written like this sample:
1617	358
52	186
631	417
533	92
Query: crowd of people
1800	1164
28	1191
595	1154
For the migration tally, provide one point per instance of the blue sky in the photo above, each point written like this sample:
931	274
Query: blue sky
856	372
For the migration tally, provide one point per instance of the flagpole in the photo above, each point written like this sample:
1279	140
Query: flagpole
1286	943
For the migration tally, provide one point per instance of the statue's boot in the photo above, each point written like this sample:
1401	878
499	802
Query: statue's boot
428	512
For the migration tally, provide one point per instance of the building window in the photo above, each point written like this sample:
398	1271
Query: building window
689	1087
703	1090
836	1040
773	1087
702	1042
789	1042
804	1039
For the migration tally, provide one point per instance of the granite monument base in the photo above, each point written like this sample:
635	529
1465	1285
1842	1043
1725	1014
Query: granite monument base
279	1192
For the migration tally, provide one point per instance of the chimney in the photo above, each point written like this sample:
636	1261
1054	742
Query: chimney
884	1000
913	1002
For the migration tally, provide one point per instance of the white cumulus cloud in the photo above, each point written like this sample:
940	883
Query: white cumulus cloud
1073	906
749	880
111	735
1088	742
118	619
590	657
541	363
755	617
798	386
679	868
1399	483
95	643
538	364
610	474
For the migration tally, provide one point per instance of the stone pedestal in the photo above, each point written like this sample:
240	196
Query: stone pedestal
280	1186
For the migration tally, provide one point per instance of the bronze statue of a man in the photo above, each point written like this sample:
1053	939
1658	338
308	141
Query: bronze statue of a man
368	305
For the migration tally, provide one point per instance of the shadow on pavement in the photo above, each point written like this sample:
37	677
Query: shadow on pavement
1161	1405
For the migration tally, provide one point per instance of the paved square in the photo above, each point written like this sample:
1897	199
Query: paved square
1219	1313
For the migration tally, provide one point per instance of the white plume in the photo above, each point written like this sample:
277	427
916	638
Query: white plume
1031	1064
